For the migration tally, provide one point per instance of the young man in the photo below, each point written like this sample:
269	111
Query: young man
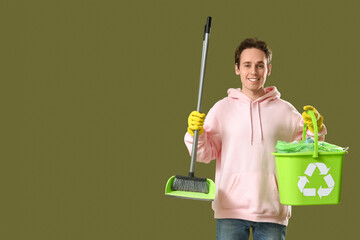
240	132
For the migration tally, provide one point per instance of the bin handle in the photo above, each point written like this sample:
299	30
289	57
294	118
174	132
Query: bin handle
314	121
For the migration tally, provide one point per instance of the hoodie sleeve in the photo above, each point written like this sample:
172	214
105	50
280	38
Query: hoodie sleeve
209	144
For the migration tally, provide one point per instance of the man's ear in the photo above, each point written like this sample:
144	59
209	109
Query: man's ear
269	70
237	70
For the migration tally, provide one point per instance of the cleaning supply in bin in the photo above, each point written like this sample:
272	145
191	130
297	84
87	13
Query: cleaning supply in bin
306	146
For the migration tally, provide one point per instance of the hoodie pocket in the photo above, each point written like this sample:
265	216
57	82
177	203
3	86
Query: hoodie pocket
255	192
231	192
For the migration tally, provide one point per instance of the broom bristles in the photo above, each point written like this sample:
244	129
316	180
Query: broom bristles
190	184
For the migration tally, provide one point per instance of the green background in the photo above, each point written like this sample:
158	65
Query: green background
95	97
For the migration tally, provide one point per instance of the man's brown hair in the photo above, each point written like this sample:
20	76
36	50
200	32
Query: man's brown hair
252	43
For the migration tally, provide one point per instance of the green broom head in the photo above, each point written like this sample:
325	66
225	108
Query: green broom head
190	184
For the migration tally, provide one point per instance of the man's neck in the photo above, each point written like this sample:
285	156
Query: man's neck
253	95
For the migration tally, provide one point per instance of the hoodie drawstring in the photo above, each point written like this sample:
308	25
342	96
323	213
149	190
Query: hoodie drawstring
251	123
261	131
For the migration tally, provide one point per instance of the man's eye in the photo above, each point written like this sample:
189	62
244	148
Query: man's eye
247	65
261	66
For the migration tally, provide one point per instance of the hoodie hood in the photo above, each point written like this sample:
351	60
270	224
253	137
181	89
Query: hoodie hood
271	93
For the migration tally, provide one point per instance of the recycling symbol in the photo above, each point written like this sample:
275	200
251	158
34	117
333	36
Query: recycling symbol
309	172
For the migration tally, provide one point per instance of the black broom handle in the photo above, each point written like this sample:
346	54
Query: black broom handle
198	108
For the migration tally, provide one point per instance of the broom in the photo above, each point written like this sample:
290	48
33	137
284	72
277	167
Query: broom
191	183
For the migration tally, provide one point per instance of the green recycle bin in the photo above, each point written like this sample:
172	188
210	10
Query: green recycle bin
309	178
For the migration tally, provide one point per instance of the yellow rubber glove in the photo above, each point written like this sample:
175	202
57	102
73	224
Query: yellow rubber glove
308	121
196	122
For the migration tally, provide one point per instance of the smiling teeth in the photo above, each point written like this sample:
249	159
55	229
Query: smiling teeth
252	79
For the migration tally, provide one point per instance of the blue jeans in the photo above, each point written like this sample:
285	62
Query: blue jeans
238	229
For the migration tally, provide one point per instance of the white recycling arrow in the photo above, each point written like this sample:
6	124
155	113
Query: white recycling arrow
302	182
309	192
329	181
312	191
324	191
310	169
322	167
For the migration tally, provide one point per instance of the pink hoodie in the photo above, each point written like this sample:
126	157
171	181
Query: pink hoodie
241	134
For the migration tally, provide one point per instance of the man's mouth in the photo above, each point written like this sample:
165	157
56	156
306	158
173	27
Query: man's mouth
253	79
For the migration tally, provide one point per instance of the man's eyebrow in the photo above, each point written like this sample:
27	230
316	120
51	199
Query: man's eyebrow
250	62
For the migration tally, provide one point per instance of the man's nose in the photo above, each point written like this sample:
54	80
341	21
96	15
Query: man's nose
253	69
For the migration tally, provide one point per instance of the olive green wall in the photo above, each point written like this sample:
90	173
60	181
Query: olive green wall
95	97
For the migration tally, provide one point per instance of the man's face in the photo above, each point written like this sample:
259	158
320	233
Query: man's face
253	70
